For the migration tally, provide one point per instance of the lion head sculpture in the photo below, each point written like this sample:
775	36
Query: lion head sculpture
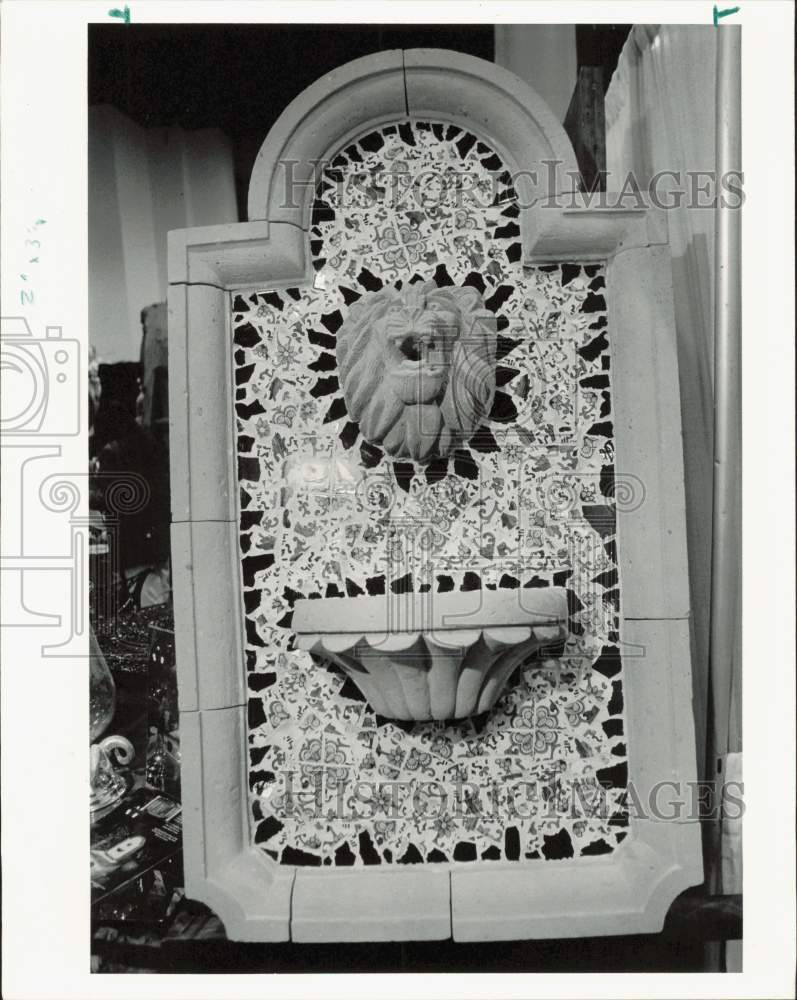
417	368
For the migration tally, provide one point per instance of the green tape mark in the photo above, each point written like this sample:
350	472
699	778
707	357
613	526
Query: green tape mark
723	13
123	15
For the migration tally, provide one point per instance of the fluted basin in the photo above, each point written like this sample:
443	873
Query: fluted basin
432	656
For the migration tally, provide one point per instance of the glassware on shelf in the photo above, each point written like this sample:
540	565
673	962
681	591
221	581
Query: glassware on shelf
102	692
107	785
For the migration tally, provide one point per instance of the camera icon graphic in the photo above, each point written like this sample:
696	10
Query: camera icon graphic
41	381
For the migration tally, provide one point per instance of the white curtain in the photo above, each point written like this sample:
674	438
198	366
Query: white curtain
142	183
660	116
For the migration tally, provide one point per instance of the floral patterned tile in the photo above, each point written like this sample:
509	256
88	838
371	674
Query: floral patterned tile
526	501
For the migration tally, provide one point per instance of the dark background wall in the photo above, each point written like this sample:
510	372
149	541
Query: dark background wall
240	77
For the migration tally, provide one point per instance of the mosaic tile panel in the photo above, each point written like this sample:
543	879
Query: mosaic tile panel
528	501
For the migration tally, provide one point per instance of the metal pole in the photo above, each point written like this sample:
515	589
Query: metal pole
727	508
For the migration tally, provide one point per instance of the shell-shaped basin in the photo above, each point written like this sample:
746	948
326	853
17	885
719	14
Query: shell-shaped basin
419	657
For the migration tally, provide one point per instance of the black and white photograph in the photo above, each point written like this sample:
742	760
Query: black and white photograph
398	450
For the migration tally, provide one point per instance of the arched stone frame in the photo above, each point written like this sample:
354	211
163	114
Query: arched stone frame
627	891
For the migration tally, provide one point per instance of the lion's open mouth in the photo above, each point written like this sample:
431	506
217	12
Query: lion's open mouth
412	347
429	352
